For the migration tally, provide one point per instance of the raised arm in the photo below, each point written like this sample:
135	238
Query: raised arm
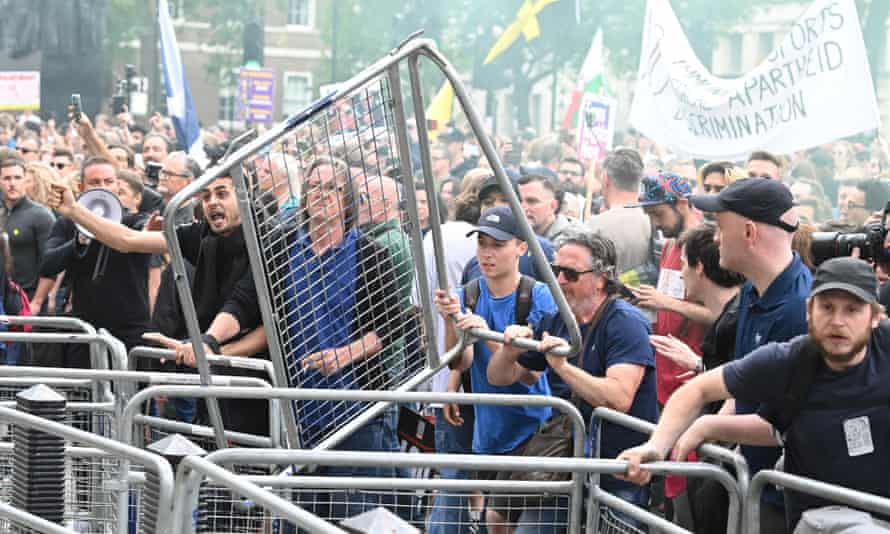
112	234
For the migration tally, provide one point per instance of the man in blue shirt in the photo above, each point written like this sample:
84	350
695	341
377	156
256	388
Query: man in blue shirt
618	366
756	223
836	433
498	429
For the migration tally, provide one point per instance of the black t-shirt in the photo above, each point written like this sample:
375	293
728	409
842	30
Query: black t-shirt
114	297
28	226
718	345
842	433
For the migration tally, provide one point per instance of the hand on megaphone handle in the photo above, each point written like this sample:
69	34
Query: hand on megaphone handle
61	198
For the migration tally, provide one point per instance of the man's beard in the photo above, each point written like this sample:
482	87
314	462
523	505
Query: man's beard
677	229
844	357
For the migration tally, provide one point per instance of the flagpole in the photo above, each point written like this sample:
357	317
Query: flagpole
155	68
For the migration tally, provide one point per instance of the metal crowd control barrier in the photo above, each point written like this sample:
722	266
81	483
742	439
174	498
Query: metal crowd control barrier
708	450
576	466
76	331
194	468
155	504
576	487
14	520
829	492
231	362
131	419
88	472
311	303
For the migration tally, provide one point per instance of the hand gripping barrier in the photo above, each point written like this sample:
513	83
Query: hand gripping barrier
302	294
708	450
829	492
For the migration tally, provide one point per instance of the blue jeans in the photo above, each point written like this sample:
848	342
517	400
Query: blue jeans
450	514
377	436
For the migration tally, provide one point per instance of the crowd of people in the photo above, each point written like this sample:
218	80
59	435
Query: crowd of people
699	287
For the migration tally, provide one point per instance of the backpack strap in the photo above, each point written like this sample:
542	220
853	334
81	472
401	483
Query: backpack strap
524	300
471	294
806	364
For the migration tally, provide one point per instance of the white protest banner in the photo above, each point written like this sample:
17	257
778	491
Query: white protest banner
596	126
815	87
19	90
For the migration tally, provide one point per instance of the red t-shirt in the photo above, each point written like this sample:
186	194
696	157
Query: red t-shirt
669	322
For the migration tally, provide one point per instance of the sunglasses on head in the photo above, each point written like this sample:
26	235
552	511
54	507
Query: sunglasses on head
570	274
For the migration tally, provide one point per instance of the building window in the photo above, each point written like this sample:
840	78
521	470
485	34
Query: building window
177	9
766	44
297	93
228	107
735	53
298	12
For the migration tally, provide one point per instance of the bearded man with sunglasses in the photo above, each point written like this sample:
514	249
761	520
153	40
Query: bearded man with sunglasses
616	367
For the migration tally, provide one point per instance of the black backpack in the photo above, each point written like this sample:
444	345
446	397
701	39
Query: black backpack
523	307
523	297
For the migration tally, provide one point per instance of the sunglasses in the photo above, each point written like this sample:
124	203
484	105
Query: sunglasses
26	150
571	275
713	188
59	166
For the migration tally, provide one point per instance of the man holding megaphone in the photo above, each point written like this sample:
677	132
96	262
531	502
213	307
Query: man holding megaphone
223	289
109	289
226	311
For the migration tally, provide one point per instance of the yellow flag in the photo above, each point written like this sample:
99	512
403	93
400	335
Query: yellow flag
439	111
526	23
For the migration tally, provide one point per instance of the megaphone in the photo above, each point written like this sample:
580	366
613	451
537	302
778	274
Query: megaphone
103	203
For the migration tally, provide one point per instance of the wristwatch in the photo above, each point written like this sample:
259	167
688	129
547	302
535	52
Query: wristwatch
700	366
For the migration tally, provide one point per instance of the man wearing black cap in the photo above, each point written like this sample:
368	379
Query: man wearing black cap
497	429
490	196
756	223
837	431
454	143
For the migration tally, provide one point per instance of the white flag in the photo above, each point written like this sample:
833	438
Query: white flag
815	87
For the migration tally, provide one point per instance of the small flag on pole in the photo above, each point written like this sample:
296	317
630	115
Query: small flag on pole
526	23
438	114
179	98
591	79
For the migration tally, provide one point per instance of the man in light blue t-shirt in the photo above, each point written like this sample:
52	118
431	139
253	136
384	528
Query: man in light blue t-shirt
498	429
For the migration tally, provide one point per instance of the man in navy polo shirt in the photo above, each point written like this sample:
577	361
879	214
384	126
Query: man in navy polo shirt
618	367
838	432
756	223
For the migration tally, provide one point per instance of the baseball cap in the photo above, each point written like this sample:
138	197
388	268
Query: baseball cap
663	188
452	135
852	275
498	222
759	199
492	183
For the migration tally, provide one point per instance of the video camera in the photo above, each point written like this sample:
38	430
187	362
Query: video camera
122	92
827	245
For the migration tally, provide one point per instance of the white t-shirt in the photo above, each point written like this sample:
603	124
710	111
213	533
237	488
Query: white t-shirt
458	250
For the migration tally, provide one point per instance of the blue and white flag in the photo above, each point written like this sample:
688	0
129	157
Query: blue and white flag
179	98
